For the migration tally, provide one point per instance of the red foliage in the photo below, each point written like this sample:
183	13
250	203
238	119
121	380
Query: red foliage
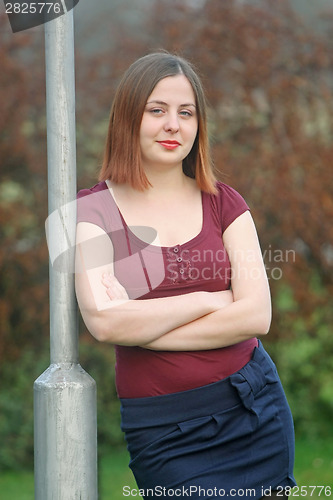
269	83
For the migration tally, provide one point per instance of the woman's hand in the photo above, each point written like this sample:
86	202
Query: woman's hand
114	289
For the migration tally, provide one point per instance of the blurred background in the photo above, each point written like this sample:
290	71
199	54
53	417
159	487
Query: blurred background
267	67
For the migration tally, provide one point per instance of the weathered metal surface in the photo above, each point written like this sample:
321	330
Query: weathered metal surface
65	434
64	395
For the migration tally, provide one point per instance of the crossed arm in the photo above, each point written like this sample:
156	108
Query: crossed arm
194	321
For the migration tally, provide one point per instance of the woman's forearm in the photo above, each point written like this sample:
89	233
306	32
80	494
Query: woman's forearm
133	322
106	309
242	320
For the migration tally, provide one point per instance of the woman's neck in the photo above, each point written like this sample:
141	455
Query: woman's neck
166	182
164	186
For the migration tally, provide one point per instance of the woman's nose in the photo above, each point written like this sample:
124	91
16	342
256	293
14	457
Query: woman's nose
172	123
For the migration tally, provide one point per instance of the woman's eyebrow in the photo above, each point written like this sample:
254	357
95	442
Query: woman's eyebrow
162	103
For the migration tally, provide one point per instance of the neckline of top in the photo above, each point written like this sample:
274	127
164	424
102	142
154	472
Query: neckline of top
144	244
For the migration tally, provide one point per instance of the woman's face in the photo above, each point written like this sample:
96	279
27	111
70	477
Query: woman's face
169	123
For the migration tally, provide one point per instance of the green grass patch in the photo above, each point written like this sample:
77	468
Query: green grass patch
114	474
16	486
313	467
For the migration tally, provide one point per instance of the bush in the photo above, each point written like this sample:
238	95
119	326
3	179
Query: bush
16	402
304	358
16	409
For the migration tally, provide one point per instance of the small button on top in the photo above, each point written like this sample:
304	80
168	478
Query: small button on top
176	249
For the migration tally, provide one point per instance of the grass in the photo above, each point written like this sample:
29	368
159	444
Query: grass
313	466
16	486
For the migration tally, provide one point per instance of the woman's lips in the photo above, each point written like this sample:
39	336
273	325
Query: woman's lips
169	144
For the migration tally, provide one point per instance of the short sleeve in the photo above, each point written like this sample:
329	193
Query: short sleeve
91	206
231	204
96	205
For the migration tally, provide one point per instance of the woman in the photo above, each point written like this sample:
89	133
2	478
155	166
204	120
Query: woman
169	270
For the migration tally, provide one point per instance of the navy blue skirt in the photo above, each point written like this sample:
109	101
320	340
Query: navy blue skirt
233	438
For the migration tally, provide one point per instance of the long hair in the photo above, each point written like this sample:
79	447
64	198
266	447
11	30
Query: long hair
122	155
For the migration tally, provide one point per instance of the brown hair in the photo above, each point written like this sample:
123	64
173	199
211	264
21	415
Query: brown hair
122	155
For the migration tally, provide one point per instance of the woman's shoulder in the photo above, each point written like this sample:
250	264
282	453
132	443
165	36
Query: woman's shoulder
228	195
93	205
100	186
226	190
229	203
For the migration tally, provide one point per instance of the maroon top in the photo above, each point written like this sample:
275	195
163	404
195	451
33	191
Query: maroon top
148	271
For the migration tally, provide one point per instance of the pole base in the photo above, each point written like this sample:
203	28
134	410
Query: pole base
65	434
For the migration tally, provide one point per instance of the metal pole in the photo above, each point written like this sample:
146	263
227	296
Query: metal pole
64	395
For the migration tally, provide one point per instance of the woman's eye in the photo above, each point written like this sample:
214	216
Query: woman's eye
160	111
156	111
186	113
